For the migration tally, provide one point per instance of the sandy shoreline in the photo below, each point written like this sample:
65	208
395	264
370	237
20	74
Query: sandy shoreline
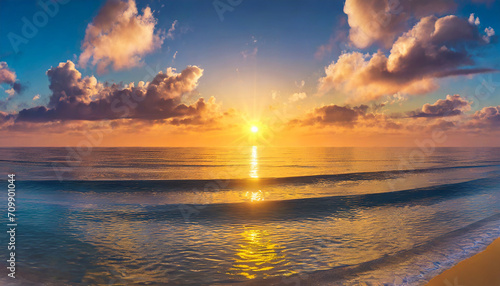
482	269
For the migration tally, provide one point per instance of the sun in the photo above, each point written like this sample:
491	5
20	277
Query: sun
254	129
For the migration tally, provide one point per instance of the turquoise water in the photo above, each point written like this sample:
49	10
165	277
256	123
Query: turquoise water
191	216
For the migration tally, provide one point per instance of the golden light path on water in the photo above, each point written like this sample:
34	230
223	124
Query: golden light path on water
254	163
254	174
257	254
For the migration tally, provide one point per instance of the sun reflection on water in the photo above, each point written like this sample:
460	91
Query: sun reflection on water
257	255
255	196
254	163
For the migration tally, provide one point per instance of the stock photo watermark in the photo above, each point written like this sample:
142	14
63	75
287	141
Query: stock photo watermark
31	26
223	6
11	225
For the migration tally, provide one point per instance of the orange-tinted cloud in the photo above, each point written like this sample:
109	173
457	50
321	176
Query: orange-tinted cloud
381	21
362	119
433	48
119	36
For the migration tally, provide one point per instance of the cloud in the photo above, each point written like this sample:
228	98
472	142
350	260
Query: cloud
381	21
300	84
77	98
451	106
297	96
364	119
5	119
36	97
248	53
8	76
490	113
433	48
474	20
119	36
207	114
333	115
486	118
67	85
170	32
489	34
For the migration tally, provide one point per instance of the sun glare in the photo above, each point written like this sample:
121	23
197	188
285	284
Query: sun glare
254	129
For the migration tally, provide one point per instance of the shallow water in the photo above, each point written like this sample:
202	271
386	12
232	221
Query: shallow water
195	216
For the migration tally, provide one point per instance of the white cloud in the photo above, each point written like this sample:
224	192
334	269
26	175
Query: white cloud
474	21
119	36
170	32
297	96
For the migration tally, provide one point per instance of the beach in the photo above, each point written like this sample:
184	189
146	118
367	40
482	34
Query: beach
481	269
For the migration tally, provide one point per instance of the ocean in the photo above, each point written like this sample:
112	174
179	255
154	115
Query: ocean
224	216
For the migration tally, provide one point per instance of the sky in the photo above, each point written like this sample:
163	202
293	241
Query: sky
202	73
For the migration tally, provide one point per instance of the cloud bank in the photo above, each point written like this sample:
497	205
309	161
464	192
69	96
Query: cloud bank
84	98
440	115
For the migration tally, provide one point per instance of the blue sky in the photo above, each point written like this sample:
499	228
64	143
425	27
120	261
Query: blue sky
259	48
286	37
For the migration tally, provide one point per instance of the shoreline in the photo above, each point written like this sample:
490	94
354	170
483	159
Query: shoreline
480	269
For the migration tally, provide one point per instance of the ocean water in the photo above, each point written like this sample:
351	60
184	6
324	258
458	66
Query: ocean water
249	215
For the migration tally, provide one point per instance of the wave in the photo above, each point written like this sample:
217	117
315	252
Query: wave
221	184
310	208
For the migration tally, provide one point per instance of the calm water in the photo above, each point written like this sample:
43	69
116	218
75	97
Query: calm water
191	216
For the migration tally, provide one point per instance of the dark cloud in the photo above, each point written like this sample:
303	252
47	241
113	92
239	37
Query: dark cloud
333	115
465	72
451	106
5	117
486	118
18	88
77	98
67	85
490	113
366	117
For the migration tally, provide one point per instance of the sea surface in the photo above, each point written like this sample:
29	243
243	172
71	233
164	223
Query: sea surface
248	215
